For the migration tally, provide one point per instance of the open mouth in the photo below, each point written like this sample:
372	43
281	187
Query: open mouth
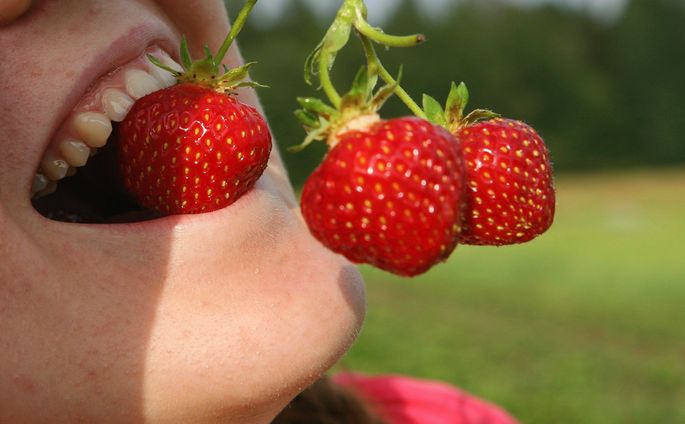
78	177
92	194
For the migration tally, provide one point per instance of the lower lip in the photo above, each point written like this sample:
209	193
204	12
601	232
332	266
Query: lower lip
172	223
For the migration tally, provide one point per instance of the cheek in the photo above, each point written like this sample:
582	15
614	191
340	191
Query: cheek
23	128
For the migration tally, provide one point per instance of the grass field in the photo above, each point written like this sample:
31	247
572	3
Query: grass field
583	325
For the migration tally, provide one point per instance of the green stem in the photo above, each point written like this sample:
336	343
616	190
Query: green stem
375	64
385	39
235	30
325	78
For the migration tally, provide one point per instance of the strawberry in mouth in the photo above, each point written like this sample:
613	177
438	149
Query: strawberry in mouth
78	178
184	145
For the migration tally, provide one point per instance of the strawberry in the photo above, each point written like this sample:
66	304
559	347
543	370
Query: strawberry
193	147
190	149
510	195
388	193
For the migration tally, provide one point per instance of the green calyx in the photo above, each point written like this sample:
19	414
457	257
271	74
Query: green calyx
325	122
209	71
452	116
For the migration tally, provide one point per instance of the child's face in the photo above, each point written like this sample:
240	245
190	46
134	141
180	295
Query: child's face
216	317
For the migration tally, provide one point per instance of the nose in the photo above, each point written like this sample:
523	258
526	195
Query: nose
10	10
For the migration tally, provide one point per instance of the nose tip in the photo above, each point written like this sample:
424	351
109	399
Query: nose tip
10	10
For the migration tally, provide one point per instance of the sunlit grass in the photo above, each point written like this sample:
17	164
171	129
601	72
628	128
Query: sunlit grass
583	325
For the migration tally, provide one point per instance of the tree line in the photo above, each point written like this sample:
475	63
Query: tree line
602	94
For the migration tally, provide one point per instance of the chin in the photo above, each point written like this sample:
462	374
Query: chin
249	345
273	311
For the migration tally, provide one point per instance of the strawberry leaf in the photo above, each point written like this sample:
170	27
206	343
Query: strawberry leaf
320	133
251	84
385	92
308	119
208	53
358	96
456	102
316	106
209	61
433	110
236	75
159	64
372	80
360	85
479	115
186	60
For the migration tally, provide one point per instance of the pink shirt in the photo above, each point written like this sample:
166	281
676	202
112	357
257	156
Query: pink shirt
406	400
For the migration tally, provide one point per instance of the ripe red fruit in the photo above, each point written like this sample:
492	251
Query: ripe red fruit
510	195
389	196
190	149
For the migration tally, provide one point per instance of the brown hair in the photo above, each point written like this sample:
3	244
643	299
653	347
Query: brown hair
325	402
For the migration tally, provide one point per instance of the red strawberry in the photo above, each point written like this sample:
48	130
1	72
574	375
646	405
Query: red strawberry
510	196
190	149
388	195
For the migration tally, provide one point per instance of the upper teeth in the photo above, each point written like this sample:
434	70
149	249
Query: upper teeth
140	83
90	125
116	104
54	166
75	152
163	76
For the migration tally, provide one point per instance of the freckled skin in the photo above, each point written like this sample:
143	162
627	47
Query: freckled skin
510	195
389	196
189	149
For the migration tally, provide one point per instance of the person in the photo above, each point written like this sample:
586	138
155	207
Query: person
230	317
356	398
219	317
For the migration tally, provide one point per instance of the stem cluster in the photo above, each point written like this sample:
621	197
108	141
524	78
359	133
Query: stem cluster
351	17
210	71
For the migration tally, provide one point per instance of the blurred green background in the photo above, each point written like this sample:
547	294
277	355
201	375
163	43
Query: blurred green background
585	324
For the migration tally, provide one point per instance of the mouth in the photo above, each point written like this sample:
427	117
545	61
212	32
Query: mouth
78	180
